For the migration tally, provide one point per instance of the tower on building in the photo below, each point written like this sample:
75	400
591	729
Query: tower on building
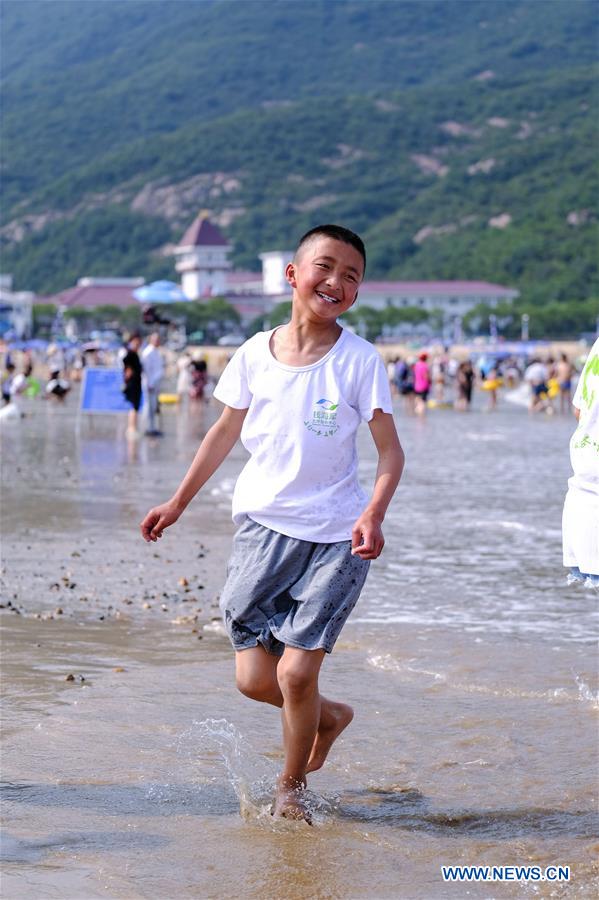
202	258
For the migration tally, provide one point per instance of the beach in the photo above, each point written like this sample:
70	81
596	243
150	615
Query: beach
133	769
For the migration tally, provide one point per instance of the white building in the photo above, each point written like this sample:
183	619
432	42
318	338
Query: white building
16	310
202	258
452	298
274	263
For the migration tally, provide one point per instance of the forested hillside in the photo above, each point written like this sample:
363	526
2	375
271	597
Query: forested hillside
458	138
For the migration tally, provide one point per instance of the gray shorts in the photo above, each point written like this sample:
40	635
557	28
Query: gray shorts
281	591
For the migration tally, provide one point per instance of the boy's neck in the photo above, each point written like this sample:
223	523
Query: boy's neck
301	342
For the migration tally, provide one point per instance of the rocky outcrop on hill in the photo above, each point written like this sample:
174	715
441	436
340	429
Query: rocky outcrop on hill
176	202
483	165
429	165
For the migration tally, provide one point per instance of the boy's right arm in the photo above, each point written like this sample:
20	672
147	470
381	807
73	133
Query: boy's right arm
219	441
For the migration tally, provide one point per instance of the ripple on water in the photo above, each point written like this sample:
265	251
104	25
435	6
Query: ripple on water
475	529
583	695
482	438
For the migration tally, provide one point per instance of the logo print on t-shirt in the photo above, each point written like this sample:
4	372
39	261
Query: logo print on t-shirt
324	418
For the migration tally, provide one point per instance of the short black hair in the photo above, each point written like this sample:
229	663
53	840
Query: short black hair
338	233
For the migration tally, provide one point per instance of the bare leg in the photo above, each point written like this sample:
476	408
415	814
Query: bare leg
257	677
297	675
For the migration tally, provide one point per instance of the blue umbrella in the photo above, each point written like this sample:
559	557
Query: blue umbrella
160	292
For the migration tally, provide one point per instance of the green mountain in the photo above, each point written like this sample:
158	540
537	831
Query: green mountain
459	138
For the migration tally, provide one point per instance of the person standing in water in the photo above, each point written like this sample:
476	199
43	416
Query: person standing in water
153	369
132	370
306	530
465	381
422	383
580	522
405	383
564	371
183	377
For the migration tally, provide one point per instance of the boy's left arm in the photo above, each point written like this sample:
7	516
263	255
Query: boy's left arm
367	534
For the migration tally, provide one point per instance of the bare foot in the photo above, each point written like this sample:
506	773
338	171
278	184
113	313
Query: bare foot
290	802
326	737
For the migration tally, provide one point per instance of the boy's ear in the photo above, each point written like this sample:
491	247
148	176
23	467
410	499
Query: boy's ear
290	274
355	298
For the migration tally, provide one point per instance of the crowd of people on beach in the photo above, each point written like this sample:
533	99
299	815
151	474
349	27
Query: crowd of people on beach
444	380
424	380
49	375
50	371
146	370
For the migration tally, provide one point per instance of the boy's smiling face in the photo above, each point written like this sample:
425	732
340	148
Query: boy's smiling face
325	276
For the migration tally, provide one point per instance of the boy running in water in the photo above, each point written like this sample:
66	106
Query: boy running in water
306	531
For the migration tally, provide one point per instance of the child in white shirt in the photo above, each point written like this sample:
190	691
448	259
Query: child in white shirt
307	532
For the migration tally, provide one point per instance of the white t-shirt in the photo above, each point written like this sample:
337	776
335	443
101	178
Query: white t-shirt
580	525
153	366
302	476
536	373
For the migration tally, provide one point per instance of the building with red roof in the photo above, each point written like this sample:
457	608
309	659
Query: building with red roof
202	258
91	292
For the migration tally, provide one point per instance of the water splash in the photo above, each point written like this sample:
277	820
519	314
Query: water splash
585	694
252	776
385	662
587	582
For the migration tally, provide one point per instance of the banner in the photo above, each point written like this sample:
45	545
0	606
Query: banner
102	391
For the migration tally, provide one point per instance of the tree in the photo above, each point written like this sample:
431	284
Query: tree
44	315
280	314
367	321
214	317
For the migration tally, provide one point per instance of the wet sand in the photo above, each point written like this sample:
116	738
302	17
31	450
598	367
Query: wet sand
470	664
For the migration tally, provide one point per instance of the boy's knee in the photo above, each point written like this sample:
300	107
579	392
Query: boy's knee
296	682
253	686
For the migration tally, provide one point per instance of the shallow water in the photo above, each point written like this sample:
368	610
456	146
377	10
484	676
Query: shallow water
470	663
